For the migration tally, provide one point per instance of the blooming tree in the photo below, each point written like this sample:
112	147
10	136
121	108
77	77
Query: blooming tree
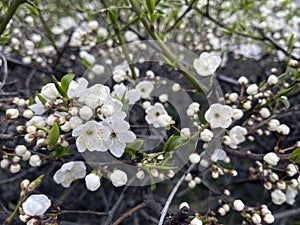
211	120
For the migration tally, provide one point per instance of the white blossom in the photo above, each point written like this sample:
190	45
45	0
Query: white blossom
78	88
269	218
92	182
206	64
14	168
206	135
36	205
273	124
35	160
28	114
219	115
219	154
20	150
238	205
85	112
91	136
291	194
69	172
283	129
185	132
196	221
243	80
252	89
278	197
264	112
237	114
237	136
256	219
292	170
184	204
118	178
153	112
145	88
194	158
271	158
12	113
164	120
120	134
49	92
272	80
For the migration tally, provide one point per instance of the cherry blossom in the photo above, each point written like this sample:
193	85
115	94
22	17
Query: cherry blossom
207	64
118	178
91	136
36	205
219	115
69	172
153	112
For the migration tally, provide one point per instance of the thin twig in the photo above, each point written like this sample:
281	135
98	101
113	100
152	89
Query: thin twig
83	212
130	212
172	194
117	204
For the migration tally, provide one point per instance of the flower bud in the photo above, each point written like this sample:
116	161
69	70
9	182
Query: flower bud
4	163
238	205
20	150
35	161
256	219
28	114
243	80
283	129
86	112
272	80
252	89
14	168
269	218
184	204
194	158
271	158
176	87
12	114
196	221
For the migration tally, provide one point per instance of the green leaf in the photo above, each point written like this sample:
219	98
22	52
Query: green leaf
53	136
285	101
130	152
136	145
113	15
174	142
66	80
31	100
290	43
285	91
61	151
295	155
166	60
41	98
61	91
150	5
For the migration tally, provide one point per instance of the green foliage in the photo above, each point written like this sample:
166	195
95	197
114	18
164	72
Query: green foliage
61	151
62	87
53	136
41	98
174	142
295	155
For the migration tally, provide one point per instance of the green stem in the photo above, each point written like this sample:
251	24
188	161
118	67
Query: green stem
150	29
10	13
122	43
11	217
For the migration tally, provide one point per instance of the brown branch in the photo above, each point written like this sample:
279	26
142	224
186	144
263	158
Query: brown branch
130	212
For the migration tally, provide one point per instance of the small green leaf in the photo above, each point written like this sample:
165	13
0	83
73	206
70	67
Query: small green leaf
61	91
61	151
174	142
31	100
130	152
113	15
285	91
295	155
136	145
66	80
290	43
53	136
150	5
285	101
36	183
41	98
